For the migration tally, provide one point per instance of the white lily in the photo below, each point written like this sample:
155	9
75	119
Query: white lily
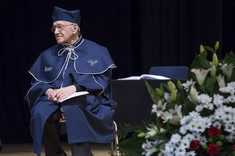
149	149
177	115
220	80
227	69
187	84
200	75
166	116
193	94
158	108
151	131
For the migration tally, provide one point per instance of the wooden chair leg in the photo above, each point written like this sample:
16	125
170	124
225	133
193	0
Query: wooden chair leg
114	147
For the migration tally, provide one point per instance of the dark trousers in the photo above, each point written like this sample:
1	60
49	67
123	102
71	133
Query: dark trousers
51	139
81	149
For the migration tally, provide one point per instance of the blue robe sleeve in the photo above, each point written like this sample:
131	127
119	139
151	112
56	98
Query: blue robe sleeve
93	83
37	90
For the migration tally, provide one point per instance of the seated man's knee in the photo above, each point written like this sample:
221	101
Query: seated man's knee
54	117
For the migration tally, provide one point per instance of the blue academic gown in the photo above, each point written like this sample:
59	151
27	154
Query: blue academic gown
89	117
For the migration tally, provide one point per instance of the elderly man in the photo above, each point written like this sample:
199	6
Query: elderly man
74	64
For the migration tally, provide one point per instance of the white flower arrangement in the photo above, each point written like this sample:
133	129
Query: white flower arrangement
198	116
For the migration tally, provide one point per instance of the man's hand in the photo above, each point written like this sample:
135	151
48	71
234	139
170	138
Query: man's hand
51	93
64	92
58	95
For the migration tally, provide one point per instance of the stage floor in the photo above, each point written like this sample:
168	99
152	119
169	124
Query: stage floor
26	149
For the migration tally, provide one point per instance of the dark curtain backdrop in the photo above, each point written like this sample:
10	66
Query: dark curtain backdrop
138	33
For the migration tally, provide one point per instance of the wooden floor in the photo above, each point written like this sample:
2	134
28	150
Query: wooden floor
26	149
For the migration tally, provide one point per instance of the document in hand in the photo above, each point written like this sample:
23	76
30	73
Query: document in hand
145	76
76	94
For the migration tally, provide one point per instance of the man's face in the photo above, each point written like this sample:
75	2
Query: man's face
64	32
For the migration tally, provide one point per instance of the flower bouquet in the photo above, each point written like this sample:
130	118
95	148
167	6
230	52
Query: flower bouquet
196	117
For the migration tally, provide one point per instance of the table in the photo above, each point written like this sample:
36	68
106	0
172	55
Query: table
134	102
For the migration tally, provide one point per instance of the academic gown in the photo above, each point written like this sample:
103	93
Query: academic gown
89	117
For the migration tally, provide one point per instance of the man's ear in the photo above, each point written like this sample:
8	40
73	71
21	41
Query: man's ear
75	28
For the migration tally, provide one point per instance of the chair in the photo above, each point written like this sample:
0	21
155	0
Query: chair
114	145
172	72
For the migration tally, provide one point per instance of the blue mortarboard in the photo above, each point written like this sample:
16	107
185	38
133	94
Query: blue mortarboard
60	14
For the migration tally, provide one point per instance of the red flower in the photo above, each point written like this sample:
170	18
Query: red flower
160	120
194	145
213	149
234	147
214	131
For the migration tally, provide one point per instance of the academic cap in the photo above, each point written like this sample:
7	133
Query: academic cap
60	14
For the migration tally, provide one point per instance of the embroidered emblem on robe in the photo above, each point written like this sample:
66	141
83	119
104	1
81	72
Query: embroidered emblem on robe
48	69
92	62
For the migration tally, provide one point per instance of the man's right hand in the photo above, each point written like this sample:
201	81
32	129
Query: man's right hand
51	94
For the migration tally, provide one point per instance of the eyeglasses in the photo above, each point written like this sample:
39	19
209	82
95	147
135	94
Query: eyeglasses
59	28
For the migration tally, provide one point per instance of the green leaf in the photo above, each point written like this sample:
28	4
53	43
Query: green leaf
153	94
132	146
200	62
204	54
208	48
160	144
158	123
227	150
229	58
170	106
210	83
127	130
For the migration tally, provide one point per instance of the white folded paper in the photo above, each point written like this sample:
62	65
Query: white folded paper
81	93
145	76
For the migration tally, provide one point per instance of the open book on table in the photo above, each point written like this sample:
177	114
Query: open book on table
76	94
145	76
